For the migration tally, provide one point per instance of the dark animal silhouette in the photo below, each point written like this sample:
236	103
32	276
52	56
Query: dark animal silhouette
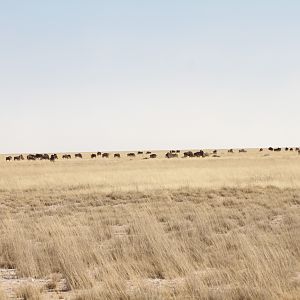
93	155
188	154
105	155
78	155
19	157
171	155
45	156
8	158
53	157
199	153
131	154
117	155
153	155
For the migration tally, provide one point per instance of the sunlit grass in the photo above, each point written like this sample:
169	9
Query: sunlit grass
216	228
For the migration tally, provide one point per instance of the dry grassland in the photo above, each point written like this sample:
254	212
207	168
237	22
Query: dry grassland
197	228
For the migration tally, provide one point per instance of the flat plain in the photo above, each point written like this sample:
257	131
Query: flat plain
224	227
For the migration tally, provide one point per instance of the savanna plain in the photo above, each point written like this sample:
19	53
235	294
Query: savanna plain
224	227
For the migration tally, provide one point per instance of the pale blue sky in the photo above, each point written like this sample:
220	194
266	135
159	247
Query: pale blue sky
120	75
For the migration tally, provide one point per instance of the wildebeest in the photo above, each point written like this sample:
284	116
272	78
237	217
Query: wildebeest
31	157
188	154
261	150
153	155
291	149
78	155
171	155
53	157
98	153
277	149
242	151
117	155
131	154
177	151
271	149
140	152
230	151
215	151
297	149
105	155
93	155
8	158
45	156
148	152
299	152
286	149
66	156
199	153
19	157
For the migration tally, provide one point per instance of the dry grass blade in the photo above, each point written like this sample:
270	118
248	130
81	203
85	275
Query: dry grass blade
28	292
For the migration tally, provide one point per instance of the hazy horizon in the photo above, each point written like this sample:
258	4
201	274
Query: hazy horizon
98	76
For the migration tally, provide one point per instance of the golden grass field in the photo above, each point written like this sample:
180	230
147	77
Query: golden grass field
223	227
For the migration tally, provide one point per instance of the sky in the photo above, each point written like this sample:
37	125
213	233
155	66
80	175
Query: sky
128	75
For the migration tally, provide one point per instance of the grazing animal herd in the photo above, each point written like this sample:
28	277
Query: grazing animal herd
170	154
